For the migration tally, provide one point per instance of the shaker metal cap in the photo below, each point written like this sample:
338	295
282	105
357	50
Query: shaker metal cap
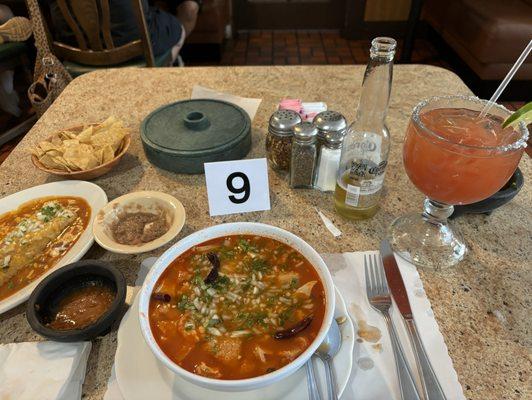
282	122
331	126
305	131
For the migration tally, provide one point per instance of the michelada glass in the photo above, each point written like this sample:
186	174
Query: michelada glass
454	157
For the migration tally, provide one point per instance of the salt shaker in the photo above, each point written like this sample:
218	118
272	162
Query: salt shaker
279	138
331	127
304	155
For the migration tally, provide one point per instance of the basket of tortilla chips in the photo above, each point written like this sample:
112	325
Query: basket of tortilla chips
83	152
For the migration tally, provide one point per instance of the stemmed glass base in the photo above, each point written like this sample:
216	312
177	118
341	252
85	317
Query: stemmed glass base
427	240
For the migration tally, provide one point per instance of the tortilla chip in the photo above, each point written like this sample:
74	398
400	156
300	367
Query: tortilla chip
107	154
82	149
70	143
112	137
51	163
85	135
56	140
47	146
81	156
65	135
70	166
106	124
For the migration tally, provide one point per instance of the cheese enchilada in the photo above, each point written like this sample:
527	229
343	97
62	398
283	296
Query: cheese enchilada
34	237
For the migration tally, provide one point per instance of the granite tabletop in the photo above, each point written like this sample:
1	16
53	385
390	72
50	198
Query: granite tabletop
482	306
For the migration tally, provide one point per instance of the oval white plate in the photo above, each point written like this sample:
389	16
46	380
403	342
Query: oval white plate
93	194
141	376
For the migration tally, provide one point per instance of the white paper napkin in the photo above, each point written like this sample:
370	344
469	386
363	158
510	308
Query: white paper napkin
379	382
373	376
248	104
43	370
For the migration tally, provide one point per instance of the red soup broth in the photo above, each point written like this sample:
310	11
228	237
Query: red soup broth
237	307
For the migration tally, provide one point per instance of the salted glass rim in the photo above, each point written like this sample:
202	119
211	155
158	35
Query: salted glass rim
521	142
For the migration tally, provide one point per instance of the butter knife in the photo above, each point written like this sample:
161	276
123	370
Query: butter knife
430	385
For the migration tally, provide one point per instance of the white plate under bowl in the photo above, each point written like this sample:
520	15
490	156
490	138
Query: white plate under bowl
93	194
141	376
147	201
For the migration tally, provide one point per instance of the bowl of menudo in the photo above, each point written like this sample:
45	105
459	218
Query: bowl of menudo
237	306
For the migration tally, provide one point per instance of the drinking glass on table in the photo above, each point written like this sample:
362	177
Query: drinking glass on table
454	157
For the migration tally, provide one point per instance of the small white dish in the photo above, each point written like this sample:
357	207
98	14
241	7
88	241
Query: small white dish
141	376
237	228
93	194
145	201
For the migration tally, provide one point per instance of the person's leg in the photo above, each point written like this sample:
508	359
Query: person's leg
187	13
177	48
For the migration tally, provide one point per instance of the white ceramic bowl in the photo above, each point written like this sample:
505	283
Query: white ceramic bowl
239	228
146	201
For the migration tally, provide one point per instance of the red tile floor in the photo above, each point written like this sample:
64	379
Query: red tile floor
291	47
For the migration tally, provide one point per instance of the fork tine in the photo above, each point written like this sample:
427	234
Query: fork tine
376	287
368	281
375	274
384	279
370	275
383	276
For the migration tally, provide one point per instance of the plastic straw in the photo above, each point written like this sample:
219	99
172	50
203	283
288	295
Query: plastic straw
507	79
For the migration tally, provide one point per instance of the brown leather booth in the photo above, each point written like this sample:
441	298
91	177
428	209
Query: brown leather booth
488	35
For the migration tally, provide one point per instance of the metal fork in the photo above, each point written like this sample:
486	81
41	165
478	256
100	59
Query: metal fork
379	298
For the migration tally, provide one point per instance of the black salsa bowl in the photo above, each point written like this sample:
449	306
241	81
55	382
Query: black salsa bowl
503	196
45	298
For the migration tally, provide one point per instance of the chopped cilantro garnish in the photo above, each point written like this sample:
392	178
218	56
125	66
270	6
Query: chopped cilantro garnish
246	246
226	254
272	300
250	319
285	315
259	265
49	211
197	280
206	297
221	283
293	283
10	285
184	303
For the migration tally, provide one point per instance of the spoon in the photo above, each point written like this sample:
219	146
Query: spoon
327	350
313	392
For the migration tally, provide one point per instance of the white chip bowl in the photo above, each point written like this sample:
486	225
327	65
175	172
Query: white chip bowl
238	228
145	201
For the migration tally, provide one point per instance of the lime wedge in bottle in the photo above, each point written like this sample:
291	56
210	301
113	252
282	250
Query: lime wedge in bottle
523	114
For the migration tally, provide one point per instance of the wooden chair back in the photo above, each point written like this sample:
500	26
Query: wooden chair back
90	22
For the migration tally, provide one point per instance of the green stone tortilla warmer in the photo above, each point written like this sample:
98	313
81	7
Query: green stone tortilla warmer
180	137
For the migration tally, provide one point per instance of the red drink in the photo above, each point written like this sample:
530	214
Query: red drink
454	157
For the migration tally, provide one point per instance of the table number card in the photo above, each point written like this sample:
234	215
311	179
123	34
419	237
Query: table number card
237	186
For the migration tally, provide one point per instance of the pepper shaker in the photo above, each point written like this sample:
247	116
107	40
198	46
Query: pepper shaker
279	138
304	155
332	127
